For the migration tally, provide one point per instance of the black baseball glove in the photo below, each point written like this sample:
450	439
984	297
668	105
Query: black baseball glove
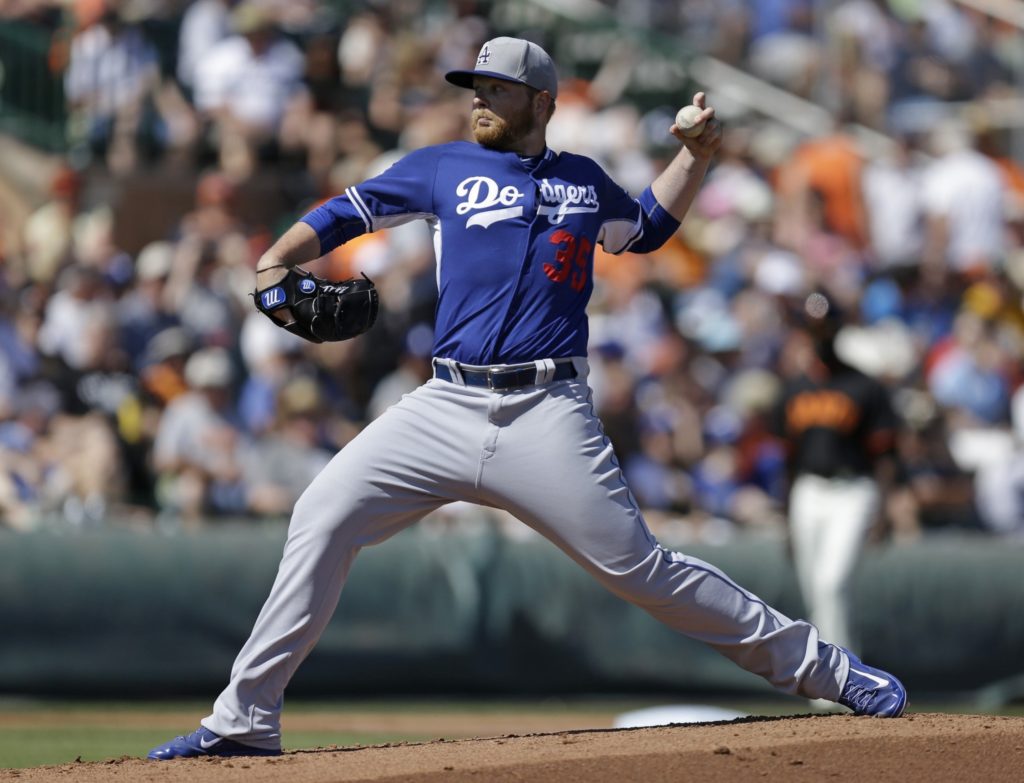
318	310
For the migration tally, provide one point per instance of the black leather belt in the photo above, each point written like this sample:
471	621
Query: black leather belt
505	378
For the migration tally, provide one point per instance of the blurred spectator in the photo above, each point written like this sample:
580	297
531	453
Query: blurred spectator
654	473
893	202
282	462
937	493
47	232
215	219
363	48
963	196
867	38
89	478
163	365
967	372
413	369
199	288
920	72
73	316
204	24
197	447
94	246
782	48
985	67
55	463
245	85
718	27
271	357
19	355
314	126
762	459
366	56
111	78
25	459
716	476
159	379
1000	482
825	171
144	310
614	399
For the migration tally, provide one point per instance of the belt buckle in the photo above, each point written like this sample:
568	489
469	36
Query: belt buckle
491	373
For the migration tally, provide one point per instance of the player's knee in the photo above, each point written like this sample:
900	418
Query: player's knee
665	580
639	586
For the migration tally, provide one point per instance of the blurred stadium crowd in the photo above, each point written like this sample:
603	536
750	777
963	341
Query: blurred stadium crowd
137	382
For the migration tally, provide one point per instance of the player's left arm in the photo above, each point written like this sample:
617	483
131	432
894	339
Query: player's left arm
298	245
401	194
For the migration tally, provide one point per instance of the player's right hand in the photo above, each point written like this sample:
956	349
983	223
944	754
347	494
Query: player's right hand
704	146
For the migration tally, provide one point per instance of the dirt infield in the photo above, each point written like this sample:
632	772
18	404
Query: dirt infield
918	747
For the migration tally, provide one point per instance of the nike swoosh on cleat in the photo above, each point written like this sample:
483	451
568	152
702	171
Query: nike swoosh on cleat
207	745
882	683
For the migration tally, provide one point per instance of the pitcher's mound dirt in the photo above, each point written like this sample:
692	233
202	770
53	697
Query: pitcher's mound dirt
919	747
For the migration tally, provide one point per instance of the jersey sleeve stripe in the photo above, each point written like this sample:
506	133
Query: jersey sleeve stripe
388	221
635	238
620	234
360	206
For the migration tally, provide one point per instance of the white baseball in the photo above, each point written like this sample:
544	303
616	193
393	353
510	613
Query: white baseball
686	120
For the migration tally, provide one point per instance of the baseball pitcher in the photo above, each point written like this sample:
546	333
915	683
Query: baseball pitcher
507	419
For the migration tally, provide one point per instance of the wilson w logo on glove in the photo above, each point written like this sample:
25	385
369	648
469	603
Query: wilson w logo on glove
272	298
321	311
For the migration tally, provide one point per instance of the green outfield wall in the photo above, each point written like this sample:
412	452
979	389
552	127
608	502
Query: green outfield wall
121	614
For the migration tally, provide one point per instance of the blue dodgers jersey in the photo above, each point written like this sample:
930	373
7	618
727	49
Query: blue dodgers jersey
514	243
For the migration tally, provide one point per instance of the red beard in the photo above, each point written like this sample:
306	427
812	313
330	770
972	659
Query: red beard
501	133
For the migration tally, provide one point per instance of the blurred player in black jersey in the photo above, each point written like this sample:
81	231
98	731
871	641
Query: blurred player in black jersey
839	428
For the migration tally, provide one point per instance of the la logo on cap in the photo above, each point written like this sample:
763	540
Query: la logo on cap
485	56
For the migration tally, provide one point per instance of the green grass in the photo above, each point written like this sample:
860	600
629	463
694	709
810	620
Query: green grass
20	748
62	738
36	733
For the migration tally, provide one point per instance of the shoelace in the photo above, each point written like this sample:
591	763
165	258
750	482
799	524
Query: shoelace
858	697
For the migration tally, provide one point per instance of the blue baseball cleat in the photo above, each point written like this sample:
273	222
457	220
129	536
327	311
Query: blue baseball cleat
203	742
871	691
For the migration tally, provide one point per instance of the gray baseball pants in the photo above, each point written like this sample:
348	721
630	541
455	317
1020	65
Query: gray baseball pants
526	451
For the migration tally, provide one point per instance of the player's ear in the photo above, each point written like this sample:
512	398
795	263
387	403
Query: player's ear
544	104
